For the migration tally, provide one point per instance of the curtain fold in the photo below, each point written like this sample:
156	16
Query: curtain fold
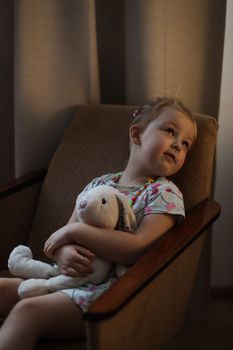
55	69
175	48
71	52
155	47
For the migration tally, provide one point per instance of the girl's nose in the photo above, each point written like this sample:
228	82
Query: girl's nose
176	146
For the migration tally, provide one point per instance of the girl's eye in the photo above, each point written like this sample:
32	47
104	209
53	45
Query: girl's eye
170	131
186	144
104	201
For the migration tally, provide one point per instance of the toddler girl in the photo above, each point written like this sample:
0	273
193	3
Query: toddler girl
161	134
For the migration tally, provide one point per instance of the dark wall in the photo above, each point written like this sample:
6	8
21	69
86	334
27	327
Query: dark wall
6	90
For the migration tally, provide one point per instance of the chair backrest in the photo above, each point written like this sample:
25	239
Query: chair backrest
96	142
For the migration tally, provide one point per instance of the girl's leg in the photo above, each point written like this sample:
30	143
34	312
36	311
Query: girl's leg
8	294
53	315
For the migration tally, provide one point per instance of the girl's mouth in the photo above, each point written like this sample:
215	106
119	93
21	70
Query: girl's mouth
171	156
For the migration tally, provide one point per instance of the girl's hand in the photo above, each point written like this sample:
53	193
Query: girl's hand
74	260
57	239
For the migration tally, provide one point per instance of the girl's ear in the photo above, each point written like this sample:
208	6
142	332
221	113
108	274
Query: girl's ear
135	134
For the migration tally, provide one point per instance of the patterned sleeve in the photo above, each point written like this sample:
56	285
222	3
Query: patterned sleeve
102	180
164	198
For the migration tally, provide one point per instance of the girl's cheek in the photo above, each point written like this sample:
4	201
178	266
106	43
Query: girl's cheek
183	160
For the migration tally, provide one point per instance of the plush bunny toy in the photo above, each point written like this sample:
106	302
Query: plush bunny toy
102	206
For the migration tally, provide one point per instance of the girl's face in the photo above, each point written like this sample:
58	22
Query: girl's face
164	144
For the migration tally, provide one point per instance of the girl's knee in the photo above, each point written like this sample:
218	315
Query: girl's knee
27	308
24	321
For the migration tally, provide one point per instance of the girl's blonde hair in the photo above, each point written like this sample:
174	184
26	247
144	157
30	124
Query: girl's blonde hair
149	111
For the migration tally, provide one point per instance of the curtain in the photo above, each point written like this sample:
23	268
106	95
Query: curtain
55	69
154	47
63	53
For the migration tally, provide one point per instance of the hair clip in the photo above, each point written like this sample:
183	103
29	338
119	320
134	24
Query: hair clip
135	113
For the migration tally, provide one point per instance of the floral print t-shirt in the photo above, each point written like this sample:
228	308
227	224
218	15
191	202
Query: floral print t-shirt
160	197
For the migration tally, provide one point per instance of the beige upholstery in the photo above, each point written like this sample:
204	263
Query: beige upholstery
96	142
195	179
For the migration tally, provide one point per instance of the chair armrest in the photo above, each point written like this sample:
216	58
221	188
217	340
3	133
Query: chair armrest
18	201
22	182
155	260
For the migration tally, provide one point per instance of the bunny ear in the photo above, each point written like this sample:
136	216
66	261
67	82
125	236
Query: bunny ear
127	220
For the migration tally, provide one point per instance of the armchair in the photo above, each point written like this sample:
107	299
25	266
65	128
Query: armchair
146	306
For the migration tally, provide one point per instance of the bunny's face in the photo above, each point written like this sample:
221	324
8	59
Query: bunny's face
98	207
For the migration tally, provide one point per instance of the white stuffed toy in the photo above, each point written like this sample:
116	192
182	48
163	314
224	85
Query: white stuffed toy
102	206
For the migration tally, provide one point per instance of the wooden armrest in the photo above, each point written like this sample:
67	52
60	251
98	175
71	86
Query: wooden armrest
155	260
21	183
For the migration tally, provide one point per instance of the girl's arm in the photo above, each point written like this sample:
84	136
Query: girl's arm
73	259
73	217
118	246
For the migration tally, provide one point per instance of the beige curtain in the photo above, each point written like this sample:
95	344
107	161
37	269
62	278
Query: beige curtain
74	51
55	69
175	48
57	54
